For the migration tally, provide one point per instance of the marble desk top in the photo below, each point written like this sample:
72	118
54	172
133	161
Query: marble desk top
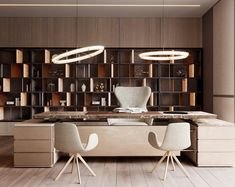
76	115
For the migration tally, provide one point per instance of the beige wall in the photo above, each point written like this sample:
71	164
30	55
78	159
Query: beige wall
223	59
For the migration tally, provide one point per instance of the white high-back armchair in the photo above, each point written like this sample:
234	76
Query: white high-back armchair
134	97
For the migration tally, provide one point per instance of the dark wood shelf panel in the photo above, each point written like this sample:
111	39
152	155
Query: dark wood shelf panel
28	73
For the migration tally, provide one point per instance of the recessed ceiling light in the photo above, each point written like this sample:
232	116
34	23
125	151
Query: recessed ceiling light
95	5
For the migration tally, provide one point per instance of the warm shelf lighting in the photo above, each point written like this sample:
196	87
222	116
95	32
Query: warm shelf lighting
95	5
164	55
59	59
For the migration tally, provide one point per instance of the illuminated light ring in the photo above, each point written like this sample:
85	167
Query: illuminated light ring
164	55
96	48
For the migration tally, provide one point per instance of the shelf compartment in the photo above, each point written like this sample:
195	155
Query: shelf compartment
125	56
104	70
111	56
80	82
53	71
37	56
7	56
173	99
140	70
16	71
170	85
124	70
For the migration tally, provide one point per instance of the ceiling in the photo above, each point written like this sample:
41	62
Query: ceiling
33	10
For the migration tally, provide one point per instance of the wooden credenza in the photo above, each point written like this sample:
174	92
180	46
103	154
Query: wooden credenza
34	145
213	143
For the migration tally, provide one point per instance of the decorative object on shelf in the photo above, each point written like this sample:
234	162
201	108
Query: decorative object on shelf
102	87
111	59
84	109
96	102
181	73
140	71
113	87
103	101
10	103
72	87
56	73
64	57
164	55
83	87
17	101
99	87
62	102
51	87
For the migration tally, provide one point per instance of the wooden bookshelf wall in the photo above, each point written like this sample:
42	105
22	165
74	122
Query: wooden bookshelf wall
30	83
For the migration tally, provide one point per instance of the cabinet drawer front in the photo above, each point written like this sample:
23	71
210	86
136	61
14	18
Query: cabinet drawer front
216	159
33	133
32	146
216	132
216	145
33	159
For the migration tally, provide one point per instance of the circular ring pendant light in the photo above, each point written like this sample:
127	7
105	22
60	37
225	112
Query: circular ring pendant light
59	59
92	51
164	55
169	55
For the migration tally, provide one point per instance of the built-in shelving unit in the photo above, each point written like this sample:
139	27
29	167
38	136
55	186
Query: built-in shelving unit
30	83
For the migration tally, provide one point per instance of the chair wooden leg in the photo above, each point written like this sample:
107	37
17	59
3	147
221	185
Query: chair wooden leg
159	162
87	166
167	163
78	171
180	165
172	162
63	169
73	165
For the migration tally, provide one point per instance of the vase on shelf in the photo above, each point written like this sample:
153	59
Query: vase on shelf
83	87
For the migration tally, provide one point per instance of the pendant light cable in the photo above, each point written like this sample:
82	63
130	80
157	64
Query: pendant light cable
168	55
90	50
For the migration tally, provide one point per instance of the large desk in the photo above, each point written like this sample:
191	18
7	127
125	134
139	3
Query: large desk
34	139
61	115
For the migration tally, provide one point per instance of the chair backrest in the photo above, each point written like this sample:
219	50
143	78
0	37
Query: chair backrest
67	138
177	136
133	96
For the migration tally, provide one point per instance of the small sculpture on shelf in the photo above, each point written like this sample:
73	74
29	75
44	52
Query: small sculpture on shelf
99	87
102	87
181	73
112	59
62	102
51	87
83	87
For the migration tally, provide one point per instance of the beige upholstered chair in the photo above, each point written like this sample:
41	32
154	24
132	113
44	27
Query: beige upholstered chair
67	140
136	97
177	138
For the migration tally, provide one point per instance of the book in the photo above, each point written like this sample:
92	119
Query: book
129	110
